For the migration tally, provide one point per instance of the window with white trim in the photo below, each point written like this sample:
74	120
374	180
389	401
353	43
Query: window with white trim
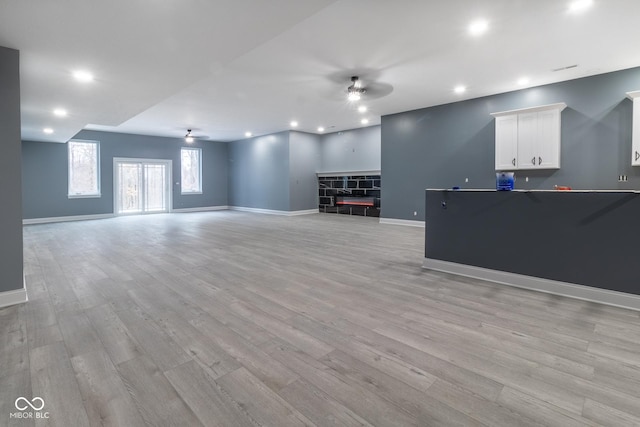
191	170
84	168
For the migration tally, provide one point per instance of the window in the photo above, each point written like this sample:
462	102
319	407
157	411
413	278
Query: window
191	170
84	168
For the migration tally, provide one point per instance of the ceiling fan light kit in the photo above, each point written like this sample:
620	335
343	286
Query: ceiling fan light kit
188	137
355	91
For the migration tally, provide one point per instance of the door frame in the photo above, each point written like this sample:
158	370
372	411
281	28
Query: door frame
168	178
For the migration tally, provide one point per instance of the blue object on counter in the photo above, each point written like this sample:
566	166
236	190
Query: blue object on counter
505	181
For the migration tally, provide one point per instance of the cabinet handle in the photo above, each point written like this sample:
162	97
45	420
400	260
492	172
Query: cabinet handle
513	162
533	161
637	155
539	161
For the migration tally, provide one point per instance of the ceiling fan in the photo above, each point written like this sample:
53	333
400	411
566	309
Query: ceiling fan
190	137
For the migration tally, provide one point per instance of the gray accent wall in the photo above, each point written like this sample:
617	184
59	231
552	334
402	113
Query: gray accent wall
438	147
259	172
304	161
45	173
11	262
351	150
586	238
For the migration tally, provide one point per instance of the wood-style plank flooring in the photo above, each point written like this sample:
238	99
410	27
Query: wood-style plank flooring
238	319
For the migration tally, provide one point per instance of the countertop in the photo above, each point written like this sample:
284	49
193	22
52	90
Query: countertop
531	191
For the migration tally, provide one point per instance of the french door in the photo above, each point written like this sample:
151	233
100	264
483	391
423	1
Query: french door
141	186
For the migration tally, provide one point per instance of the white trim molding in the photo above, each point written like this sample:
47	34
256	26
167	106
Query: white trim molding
558	106
405	222
581	292
633	94
17	296
274	212
65	218
201	209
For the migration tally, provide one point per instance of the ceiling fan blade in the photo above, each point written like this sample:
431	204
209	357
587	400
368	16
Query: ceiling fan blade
377	90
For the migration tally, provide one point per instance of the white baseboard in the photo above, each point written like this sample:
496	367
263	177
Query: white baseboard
306	212
405	222
274	212
17	296
201	209
65	218
581	292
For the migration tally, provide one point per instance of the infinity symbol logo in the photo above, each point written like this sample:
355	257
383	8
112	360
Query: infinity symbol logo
27	403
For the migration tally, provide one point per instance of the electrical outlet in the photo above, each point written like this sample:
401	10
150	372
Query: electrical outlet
526	179
623	178
466	180
415	213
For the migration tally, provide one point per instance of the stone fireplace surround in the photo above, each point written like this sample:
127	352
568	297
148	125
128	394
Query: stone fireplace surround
350	193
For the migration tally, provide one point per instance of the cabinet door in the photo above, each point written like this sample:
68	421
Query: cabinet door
528	140
548	140
635	152
506	142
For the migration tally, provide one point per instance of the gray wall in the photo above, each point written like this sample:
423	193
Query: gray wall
45	173
438	147
259	172
10	178
351	150
304	161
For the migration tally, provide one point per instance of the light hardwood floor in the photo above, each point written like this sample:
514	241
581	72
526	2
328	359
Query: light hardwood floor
239	319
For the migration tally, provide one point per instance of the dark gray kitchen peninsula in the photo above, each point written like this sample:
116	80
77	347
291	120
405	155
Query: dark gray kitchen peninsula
584	244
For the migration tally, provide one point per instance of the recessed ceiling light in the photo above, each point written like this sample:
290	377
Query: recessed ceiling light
60	112
320	129
248	134
460	89
364	121
523	81
294	124
478	27
48	131
577	6
83	76
362	108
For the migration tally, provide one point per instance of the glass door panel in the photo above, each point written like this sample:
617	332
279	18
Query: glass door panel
154	188
130	187
141	186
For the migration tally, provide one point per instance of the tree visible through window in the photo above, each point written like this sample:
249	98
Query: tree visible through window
191	166
84	168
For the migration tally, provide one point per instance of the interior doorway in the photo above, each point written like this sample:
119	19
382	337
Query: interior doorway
141	186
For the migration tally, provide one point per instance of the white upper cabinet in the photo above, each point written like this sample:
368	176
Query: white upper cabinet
548	139
528	138
506	142
635	132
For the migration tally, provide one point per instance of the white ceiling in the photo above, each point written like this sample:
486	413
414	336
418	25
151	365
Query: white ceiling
223	67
